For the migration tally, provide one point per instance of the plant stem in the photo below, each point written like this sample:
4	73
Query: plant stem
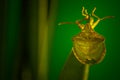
86	72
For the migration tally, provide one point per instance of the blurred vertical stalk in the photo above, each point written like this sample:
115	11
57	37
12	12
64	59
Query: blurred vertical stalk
45	19
42	40
12	37
33	31
2	38
51	20
51	23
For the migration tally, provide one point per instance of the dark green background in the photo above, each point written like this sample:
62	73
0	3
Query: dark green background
19	37
69	11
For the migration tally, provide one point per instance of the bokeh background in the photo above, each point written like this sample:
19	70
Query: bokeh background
34	47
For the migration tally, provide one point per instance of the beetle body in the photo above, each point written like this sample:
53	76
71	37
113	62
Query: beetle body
88	46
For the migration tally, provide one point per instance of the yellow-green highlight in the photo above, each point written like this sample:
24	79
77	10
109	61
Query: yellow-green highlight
42	41
86	72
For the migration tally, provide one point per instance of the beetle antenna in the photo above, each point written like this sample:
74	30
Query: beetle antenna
107	17
61	23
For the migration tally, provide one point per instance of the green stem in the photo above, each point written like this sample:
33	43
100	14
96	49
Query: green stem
86	72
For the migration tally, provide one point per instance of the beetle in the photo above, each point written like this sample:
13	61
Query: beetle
88	45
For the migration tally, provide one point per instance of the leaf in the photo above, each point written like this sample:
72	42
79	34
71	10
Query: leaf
74	70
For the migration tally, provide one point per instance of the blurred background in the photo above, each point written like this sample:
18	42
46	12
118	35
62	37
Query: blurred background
34	47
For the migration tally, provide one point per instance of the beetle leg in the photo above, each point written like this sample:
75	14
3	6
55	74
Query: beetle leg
83	9
93	13
84	12
79	24
95	23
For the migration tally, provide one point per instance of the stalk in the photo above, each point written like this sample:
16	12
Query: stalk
42	40
86	72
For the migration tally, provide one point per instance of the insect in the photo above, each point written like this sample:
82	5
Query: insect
88	45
